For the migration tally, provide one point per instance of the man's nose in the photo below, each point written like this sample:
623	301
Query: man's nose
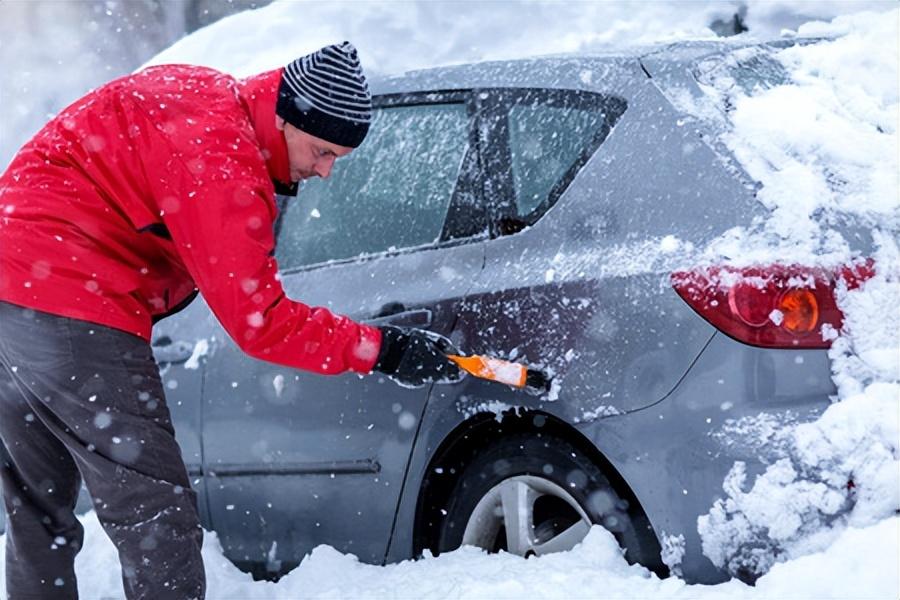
323	167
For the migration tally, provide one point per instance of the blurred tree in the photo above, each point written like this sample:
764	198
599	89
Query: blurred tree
734	26
53	51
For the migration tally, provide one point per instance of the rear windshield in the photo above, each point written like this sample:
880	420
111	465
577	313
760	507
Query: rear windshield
715	83
795	129
746	71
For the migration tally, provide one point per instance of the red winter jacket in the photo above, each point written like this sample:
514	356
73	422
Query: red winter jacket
153	186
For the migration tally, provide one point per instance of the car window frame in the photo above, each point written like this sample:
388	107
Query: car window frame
493	108
467	195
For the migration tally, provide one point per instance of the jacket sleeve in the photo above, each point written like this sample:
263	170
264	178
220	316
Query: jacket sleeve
217	201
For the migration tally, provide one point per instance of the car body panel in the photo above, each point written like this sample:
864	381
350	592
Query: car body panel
732	406
589	279
295	459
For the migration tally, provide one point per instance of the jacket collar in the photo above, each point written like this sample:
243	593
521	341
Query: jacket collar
259	94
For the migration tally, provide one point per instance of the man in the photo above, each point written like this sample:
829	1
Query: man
112	217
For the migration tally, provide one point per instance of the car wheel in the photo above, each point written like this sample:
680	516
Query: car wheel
532	495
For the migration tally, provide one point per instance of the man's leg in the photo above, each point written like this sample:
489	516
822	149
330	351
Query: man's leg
40	487
107	407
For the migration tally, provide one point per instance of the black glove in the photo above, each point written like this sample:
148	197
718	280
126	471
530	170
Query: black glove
413	357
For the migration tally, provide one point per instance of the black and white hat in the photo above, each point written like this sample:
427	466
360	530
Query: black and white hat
326	95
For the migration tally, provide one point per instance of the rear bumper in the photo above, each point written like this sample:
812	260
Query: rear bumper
732	405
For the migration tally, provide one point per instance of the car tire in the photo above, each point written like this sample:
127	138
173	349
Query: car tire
559	490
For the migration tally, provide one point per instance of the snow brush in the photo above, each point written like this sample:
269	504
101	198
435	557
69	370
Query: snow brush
503	371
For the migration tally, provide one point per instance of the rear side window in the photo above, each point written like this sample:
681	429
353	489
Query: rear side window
392	192
544	142
543	138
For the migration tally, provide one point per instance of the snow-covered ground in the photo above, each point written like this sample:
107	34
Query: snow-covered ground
861	564
823	145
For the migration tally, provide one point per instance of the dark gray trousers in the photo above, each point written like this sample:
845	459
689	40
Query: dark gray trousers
79	400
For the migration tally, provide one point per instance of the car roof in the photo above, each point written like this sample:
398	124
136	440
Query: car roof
610	71
593	73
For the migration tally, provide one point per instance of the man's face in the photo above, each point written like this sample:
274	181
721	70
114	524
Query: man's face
308	155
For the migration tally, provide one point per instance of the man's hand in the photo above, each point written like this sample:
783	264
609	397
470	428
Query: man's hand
414	357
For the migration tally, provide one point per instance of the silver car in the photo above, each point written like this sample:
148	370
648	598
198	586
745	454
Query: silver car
541	211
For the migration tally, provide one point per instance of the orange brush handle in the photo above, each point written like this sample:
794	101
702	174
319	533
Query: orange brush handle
493	369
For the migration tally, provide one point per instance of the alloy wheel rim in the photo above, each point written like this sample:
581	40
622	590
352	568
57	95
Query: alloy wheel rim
509	507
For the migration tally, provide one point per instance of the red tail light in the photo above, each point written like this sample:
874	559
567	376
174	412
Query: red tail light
773	306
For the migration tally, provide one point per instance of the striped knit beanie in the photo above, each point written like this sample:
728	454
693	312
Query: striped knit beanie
326	95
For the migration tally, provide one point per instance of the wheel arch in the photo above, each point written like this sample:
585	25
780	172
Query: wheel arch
479	431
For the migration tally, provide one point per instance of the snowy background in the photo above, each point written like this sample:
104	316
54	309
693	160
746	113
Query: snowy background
834	120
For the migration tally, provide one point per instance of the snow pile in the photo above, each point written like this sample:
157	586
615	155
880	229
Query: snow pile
393	39
593	568
811	141
837	471
823	144
869	351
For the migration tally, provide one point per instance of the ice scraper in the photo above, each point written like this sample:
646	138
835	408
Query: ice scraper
503	371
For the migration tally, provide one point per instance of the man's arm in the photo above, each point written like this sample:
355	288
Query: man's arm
220	217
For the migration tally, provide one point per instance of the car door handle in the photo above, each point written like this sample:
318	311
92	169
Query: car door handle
395	313
171	351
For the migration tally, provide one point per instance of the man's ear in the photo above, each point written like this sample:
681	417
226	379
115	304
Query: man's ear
279	123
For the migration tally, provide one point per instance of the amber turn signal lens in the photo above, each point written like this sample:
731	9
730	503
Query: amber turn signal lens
800	311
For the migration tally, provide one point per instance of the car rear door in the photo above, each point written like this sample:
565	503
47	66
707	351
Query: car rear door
537	292
395	236
596	198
